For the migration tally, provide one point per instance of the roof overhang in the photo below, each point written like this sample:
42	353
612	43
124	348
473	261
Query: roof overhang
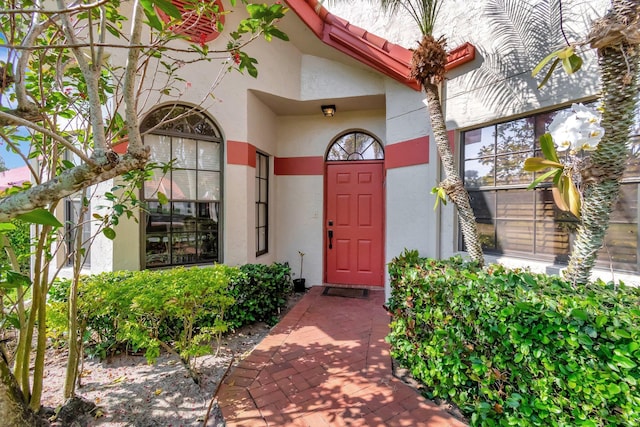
378	53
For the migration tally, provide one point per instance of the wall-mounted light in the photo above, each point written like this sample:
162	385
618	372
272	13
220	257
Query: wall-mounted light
328	110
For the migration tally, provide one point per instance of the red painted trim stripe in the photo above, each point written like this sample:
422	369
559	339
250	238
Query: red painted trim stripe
241	153
407	153
298	165
451	134
121	146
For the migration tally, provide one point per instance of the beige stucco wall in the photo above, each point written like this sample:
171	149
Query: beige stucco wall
496	86
296	202
300	198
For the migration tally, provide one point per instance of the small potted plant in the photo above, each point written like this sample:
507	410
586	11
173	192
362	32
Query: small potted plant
299	283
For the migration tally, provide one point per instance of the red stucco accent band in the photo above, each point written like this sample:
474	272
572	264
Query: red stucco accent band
298	166
241	153
451	134
407	153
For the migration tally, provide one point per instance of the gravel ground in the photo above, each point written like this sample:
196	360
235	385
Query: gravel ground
130	392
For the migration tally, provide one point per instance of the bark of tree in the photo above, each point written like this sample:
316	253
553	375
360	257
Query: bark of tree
618	56
69	182
15	412
452	184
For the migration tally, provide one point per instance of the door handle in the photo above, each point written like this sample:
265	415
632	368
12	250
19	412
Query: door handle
330	235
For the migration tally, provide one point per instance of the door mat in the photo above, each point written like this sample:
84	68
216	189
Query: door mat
346	292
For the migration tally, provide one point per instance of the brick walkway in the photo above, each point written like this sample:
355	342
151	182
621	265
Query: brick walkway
325	364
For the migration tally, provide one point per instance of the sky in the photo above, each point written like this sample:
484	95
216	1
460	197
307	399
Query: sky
11	160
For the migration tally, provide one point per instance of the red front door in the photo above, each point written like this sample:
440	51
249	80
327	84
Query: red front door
354	223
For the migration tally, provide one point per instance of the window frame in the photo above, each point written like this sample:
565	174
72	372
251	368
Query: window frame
73	205
337	145
262	201
620	219
203	211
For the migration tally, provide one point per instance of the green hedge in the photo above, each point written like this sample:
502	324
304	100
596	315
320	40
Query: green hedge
259	294
180	308
510	347
21	243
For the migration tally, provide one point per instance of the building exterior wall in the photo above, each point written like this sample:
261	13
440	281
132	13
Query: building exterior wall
496	86
261	115
249	125
300	196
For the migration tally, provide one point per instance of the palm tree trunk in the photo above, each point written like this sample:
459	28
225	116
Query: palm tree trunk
619	71
452	183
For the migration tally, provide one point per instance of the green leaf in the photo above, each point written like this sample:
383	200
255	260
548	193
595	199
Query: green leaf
548	75
168	8
613	388
6	226
536	164
68	164
624	361
585	340
279	34
623	333
40	216
162	198
565	52
579	314
571	64
109	233
544	62
154	22
548	148
542	178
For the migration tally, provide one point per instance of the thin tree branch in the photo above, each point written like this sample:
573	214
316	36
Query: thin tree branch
73	9
129	92
90	73
6	118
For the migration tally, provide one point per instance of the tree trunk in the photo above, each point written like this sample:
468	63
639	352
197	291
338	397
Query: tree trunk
452	184
619	76
75	336
14	411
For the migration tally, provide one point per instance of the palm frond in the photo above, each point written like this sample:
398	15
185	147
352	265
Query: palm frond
532	28
423	12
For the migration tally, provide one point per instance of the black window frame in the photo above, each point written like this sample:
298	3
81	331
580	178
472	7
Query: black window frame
262	203
187	230
73	205
546	221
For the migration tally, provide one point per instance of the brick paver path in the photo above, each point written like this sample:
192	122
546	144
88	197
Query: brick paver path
326	364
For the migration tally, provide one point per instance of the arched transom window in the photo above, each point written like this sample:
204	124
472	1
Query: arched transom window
355	146
185	230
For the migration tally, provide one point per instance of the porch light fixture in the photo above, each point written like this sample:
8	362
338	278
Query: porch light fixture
328	110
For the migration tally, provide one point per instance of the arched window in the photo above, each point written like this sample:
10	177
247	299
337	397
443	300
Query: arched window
355	146
186	230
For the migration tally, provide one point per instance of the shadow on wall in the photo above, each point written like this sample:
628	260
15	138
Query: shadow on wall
523	34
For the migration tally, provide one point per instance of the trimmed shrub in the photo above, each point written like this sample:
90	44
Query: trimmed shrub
20	241
181	308
260	293
510	347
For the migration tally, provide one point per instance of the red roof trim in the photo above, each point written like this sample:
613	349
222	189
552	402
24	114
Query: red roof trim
376	52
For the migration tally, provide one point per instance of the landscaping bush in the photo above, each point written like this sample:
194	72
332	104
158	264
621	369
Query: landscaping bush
146	310
181	308
20	241
260	294
510	347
